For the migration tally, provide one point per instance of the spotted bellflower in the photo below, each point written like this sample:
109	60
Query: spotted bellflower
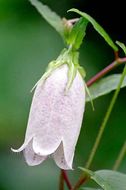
56	113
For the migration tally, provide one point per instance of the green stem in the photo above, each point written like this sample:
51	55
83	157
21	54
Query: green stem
102	128
81	180
120	157
105	120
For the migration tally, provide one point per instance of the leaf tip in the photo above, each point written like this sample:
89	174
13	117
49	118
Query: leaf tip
72	10
122	46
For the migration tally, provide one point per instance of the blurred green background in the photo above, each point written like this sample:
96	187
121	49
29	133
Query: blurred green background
27	44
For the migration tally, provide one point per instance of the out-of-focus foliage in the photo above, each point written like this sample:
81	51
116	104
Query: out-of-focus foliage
27	44
107	179
105	86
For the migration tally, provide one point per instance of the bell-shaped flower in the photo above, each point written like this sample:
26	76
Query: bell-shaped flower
55	119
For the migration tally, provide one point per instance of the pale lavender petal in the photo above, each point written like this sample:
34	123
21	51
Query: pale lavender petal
45	123
73	110
31	157
60	160
44	145
70	111
55	119
22	147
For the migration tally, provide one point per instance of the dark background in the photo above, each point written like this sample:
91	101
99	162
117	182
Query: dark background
27	44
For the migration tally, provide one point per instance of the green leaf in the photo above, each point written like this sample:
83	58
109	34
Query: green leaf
105	86
98	179
121	45
51	17
89	188
97	27
116	180
108	179
77	33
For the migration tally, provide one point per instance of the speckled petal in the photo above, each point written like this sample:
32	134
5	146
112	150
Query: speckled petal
60	160
72	127
55	119
71	112
45	121
45	146
31	157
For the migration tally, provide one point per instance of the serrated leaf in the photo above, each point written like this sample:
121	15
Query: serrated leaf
78	32
51	17
97	27
105	86
122	45
108	179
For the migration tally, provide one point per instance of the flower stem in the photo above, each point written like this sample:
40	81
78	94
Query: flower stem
102	128
106	70
105	120
61	181
82	180
120	157
65	177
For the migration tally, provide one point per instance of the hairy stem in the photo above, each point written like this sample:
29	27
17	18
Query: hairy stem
102	128
120	157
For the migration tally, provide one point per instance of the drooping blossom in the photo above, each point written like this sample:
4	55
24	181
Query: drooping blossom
55	120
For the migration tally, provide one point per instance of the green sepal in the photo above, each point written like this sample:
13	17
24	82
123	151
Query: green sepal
90	97
81	71
72	71
77	33
67	56
72	60
75	58
51	67
73	64
97	27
